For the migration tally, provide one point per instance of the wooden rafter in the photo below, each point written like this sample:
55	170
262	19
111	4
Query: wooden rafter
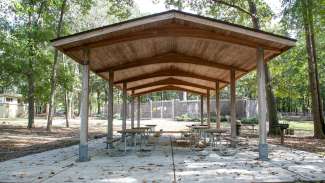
170	81
169	87
174	32
169	58
170	72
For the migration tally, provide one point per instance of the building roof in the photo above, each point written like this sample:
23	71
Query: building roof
172	50
11	95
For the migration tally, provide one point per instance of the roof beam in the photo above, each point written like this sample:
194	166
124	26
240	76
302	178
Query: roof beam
169	81
175	31
170	72
168	87
170	57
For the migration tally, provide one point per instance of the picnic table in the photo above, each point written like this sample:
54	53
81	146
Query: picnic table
152	127
139	132
214	135
251	127
190	126
200	129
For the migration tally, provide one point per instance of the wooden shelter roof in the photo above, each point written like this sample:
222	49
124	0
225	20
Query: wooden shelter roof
172	50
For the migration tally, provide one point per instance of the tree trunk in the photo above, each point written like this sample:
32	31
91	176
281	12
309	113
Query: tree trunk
52	94
54	71
31	99
270	99
66	108
317	108
71	106
79	102
98	102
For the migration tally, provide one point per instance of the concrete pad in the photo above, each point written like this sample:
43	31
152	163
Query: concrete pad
285	165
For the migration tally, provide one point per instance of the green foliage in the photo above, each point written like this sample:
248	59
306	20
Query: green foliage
187	117
213	118
121	9
26	27
184	117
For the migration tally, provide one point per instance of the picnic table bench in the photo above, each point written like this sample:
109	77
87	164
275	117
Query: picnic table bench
251	127
282	127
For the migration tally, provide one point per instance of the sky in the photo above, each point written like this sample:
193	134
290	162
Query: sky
147	6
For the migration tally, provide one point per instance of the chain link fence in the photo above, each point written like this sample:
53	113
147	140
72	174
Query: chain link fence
170	109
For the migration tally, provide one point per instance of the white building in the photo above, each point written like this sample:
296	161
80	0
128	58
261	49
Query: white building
11	106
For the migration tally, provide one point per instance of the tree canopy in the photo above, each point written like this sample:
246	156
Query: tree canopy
27	58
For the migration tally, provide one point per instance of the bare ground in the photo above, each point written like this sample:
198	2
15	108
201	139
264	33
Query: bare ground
308	143
17	141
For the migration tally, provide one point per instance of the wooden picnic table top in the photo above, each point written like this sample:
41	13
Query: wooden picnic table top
192	125
200	127
178	131
132	131
215	130
142	128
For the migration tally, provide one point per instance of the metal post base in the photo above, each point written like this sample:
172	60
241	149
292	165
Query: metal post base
263	152
83	153
109	146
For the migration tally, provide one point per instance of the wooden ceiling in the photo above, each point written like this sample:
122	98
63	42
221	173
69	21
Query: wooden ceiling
172	50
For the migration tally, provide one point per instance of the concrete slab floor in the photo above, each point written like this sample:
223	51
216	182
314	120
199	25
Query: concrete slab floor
285	165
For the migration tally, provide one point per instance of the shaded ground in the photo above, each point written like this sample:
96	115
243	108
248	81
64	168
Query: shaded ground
302	143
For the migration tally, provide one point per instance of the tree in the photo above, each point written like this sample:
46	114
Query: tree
54	67
29	34
307	10
252	13
271	105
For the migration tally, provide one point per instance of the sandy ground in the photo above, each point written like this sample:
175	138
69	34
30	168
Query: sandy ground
285	165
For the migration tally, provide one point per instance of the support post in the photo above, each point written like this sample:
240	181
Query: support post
218	107
150	103
132	110
124	110
263	147
138	111
162	109
84	109
110	110
208	109
233	105
173	109
201	109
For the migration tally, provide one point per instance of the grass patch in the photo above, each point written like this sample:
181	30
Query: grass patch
301	125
